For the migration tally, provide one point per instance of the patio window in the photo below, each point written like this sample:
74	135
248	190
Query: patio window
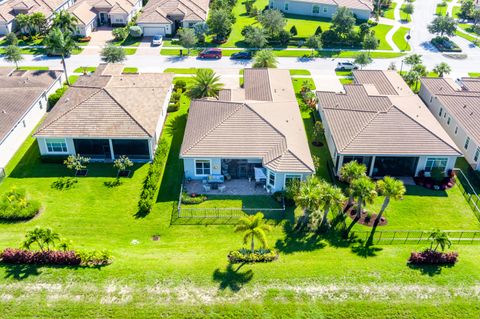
202	167
286	6
477	154
467	141
271	178
56	145
290	178
436	162
316	9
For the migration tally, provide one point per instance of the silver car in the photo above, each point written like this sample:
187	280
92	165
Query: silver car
157	40
346	66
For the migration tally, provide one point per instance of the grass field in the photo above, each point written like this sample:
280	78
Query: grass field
130	70
474	74
390	12
441	10
400	40
186	274
403	15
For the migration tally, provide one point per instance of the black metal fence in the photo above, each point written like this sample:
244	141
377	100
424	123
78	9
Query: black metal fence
418	236
468	191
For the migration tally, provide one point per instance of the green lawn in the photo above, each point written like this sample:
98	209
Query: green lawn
400	40
403	15
33	68
182	70
130	51
185	273
345	81
441	10
474	74
390	12
130	70
455	11
128	42
299	72
87	69
343	73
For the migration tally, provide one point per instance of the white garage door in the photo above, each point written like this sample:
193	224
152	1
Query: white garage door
151	31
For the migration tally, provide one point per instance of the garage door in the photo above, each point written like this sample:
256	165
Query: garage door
151	31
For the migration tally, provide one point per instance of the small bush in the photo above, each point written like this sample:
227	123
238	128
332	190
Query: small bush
53	98
95	258
11	39
135	31
173	107
64	183
247	256
47	257
432	257
14	206
193	198
182	85
176	96
120	34
278	196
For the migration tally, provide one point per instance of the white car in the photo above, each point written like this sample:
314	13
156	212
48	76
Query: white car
346	66
157	40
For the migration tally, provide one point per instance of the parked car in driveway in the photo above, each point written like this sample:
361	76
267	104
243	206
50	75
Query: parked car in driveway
210	54
242	55
346	66
157	40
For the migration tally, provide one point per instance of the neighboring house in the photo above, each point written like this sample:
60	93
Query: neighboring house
23	103
256	127
164	17
457	107
323	8
108	114
11	8
93	13
381	123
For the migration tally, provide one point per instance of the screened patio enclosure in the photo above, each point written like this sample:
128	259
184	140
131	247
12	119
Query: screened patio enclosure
240	168
109	149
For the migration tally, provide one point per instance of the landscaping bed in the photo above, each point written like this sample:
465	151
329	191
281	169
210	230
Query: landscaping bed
443	44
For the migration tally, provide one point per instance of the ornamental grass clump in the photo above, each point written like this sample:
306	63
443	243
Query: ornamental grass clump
15	206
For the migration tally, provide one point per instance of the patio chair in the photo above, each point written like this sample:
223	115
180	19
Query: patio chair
206	187
221	188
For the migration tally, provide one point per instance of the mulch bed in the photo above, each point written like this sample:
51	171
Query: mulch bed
364	218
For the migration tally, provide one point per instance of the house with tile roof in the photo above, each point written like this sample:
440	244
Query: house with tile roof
108	114
250	132
93	13
361	9
9	9
165	17
23	103
380	122
456	106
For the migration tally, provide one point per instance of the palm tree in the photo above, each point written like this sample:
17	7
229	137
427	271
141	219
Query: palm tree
205	84
265	59
13	54
65	21
391	188
308	197
42	237
60	43
331	197
253	226
351	171
413	59
363	189
439	238
442	68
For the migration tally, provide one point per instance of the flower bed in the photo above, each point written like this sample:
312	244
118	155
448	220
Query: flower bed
192	199
247	256
443	44
15	206
366	218
431	183
432	257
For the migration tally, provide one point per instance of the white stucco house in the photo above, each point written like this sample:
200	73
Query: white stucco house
108	114
9	9
23	103
249	133
361	9
456	106
165	17
380	122
93	13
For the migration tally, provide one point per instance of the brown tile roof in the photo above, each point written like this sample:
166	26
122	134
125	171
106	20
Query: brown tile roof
87	10
161	11
18	91
461	101
99	105
268	85
384	82
361	123
351	4
268	129
9	8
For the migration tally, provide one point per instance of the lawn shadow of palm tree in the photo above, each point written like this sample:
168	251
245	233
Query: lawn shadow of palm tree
429	270
296	241
364	250
20	272
231	278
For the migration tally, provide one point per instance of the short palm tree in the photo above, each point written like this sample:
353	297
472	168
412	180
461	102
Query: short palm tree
364	190
331	197
253	226
439	238
350	172
65	21
44	238
442	69
265	59
308	196
60	43
205	84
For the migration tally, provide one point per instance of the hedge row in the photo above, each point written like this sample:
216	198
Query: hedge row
432	257
247	256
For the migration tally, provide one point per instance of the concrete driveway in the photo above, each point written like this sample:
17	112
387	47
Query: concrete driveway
100	38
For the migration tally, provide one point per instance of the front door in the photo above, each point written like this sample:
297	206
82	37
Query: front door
103	18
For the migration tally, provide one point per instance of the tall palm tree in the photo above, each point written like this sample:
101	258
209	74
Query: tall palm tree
253	226
308	197
205	84
350	172
331	197
391	188
265	59
364	190
439	238
65	21
60	43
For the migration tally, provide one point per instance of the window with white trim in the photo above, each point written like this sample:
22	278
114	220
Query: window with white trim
440	113
286	6
467	142
271	178
202	167
316	9
56	145
325	9
436	162
477	154
290	178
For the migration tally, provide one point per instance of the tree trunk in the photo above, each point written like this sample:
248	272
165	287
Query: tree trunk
325	216
377	220
253	247
65	70
357	215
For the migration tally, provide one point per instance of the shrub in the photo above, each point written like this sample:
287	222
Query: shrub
318	31
432	257
64	183
94	258
120	34
284	37
247	256
135	31
47	257
84	39
14	205
173	107
53	98
293	30
278	196
176	96
11	39
193	199
180	85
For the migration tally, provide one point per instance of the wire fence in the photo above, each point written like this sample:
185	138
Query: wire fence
418	236
468	191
